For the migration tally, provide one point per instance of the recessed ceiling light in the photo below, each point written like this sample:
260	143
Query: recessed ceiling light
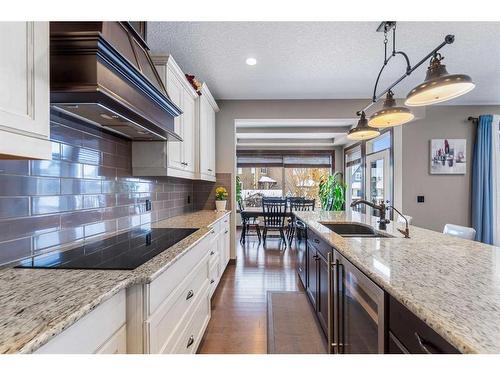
251	61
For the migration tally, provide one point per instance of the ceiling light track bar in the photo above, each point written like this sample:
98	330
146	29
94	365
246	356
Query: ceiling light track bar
449	39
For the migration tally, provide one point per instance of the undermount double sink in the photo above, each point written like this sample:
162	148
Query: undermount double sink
355	230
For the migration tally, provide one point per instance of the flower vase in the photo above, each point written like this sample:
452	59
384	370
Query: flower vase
220	205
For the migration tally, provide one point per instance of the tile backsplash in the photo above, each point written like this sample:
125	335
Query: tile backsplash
204	192
85	190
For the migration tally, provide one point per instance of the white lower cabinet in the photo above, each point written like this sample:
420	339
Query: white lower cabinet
103	330
168	315
166	324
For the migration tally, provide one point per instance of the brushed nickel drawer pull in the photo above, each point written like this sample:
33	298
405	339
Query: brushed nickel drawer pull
190	341
190	294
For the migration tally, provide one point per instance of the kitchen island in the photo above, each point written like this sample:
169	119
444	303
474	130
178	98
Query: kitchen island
451	284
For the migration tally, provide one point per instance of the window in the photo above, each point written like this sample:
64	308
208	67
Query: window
382	142
353	174
368	170
279	174
304	182
255	185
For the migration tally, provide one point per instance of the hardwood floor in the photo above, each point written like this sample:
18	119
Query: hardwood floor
239	307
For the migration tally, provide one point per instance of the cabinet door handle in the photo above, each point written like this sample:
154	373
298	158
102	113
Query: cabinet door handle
190	294
190	341
315	257
212	281
226	231
426	346
209	170
212	252
316	240
330	325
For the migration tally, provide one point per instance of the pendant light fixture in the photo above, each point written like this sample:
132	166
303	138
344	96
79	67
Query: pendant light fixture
390	115
362	131
439	86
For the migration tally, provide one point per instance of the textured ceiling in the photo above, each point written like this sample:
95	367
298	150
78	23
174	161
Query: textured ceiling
328	60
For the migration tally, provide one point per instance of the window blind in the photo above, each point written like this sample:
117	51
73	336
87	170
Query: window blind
319	160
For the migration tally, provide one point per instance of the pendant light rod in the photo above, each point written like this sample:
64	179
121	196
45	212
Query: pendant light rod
449	39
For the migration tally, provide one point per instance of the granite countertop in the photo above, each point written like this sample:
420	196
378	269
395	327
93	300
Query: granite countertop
37	304
450	283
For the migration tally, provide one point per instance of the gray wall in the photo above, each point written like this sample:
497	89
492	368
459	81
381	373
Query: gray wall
447	197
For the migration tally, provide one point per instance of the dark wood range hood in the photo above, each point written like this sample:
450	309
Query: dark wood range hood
102	72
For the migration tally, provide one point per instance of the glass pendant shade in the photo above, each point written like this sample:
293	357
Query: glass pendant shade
439	86
390	115
362	131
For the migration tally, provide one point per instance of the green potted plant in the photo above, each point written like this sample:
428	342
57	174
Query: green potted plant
220	198
332	192
239	198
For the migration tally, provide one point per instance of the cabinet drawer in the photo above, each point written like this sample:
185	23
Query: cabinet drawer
192	335
164	325
88	334
117	344
225	223
416	336
165	284
217	227
213	255
319	243
213	277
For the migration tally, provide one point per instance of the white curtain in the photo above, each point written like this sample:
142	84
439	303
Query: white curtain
495	128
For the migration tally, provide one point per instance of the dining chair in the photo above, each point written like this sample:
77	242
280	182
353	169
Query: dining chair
247	224
460	231
274	210
300	204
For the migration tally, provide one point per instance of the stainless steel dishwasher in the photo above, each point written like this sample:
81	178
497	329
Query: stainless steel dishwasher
356	322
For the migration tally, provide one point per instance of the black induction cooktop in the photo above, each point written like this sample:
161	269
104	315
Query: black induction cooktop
125	251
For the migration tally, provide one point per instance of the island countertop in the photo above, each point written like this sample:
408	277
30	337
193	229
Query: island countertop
450	283
37	304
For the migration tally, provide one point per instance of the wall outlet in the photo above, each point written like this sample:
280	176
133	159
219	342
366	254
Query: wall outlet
148	205
420	199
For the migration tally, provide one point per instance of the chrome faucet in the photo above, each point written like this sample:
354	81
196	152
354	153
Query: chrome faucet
382	223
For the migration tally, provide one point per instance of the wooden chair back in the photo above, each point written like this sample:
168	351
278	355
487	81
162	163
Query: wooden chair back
275	212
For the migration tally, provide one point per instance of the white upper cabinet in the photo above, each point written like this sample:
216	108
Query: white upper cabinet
206	140
24	79
176	159
194	157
